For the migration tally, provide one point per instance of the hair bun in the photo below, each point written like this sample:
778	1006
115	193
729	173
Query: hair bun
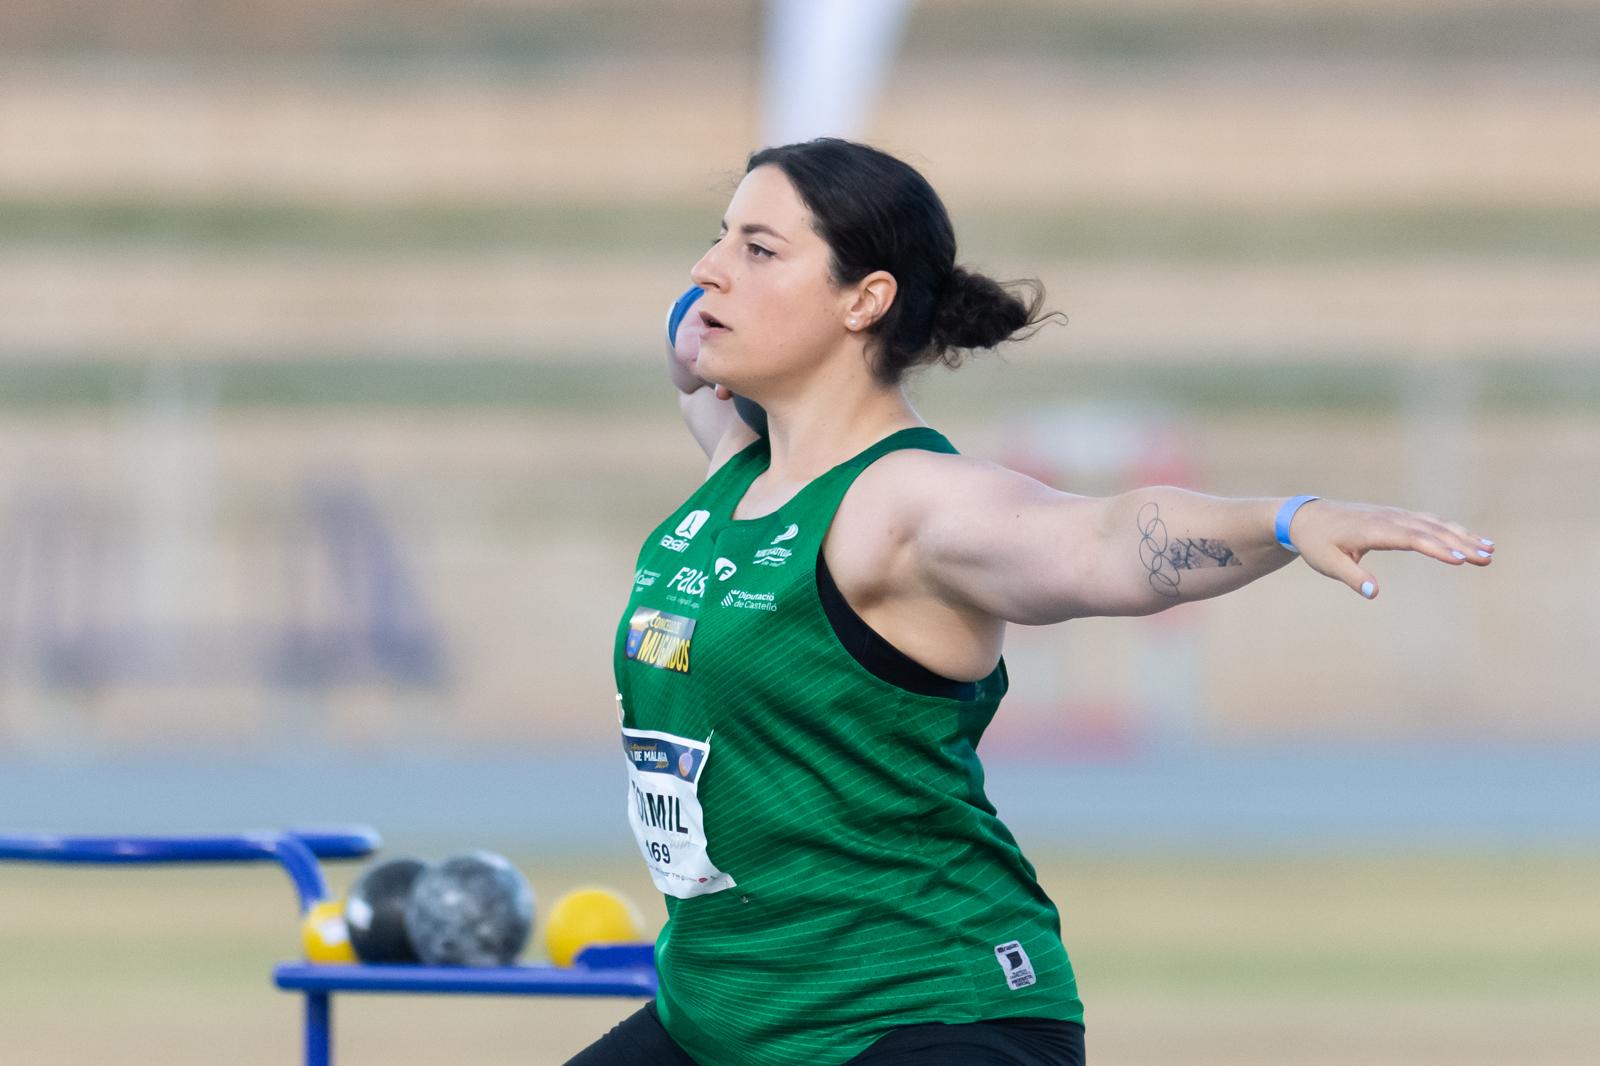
975	311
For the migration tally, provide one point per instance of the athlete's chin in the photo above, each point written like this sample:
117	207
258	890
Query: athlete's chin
719	365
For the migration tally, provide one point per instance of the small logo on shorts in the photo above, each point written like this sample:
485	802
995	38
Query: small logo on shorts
1014	961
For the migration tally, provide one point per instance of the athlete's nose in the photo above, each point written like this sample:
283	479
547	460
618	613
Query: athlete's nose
708	272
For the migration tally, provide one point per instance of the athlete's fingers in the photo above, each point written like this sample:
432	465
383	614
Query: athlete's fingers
1438	548
1463	544
1341	567
1393	534
1408	531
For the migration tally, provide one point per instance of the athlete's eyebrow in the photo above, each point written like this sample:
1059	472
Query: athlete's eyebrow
750	229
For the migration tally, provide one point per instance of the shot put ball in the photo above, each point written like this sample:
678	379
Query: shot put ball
375	911
585	917
470	910
324	935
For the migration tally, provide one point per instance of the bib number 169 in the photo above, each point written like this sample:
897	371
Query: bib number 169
660	853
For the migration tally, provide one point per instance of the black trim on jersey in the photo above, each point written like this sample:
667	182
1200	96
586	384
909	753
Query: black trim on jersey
877	655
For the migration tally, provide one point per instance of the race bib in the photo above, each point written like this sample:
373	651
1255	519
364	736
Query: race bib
664	808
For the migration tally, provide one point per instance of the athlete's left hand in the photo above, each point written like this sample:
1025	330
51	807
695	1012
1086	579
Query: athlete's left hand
1333	536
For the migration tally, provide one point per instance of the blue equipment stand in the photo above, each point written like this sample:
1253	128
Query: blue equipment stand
610	970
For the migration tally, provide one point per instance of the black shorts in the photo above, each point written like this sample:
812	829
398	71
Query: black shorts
640	1040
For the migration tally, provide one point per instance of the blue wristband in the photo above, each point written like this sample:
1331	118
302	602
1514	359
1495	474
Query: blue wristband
1286	515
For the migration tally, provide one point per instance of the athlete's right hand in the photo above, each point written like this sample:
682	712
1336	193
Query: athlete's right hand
683	356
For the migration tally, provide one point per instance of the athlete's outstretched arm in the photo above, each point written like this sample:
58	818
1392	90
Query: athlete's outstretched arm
1021	551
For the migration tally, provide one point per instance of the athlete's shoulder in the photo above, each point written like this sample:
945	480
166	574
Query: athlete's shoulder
911	481
933	497
900	505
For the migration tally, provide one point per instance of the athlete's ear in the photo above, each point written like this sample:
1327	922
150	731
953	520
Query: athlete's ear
874	295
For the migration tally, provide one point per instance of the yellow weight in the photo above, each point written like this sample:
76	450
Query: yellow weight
588	916
324	935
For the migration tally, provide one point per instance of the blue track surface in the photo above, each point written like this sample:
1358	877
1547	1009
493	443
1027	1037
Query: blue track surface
1280	800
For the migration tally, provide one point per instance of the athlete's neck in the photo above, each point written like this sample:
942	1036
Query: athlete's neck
812	434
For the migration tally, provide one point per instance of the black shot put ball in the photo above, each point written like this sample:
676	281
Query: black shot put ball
375	911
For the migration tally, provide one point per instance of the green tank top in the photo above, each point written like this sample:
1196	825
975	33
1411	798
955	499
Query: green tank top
832	868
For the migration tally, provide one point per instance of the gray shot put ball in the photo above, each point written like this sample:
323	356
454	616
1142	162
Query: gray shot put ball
470	910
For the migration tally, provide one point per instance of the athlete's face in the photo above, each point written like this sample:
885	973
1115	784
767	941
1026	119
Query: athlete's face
770	308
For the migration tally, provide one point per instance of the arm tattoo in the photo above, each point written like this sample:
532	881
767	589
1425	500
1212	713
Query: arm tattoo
1164	558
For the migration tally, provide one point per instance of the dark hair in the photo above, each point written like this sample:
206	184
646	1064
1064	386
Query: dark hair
877	213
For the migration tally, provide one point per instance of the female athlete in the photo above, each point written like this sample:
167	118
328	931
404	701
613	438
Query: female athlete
812	647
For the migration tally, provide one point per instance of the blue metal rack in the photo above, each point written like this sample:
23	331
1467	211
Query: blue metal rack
612	970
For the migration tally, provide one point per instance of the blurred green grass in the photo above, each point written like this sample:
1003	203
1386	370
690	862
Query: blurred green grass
1285	948
1084	231
1424	926
605	381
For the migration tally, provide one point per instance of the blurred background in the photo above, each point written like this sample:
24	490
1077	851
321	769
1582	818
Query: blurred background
332	416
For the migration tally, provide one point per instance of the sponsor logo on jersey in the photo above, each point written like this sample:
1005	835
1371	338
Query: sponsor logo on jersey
659	639
679	539
725	568
1016	965
643	579
691	524
688	580
774	555
750	601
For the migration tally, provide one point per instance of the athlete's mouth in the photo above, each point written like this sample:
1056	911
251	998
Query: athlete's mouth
712	321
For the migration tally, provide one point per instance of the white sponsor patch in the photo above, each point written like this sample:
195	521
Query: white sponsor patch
1014	961
725	568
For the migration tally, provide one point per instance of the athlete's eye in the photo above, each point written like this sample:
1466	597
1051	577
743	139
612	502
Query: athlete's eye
759	252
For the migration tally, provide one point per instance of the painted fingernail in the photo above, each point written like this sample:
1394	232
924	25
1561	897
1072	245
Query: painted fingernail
1458	555
1486	540
1366	589
1483	554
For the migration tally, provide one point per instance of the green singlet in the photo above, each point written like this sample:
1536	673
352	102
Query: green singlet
832	867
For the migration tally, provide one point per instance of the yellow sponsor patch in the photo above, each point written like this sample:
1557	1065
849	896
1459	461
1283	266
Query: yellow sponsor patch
659	639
